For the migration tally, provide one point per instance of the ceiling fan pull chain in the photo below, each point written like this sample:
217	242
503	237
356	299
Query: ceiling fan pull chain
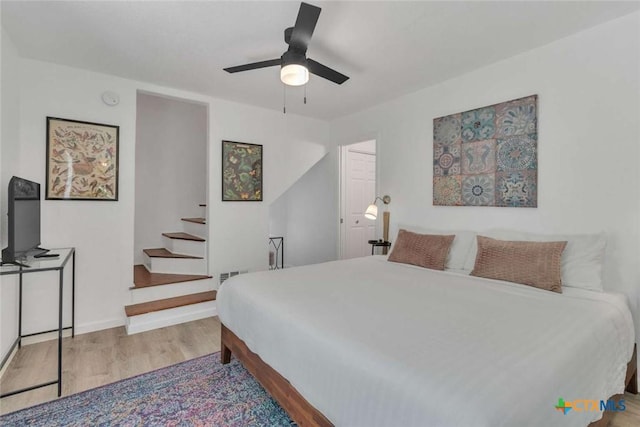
284	99
305	94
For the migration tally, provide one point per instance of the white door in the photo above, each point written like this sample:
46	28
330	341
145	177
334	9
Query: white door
360	190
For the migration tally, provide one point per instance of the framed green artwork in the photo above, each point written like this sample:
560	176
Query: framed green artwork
241	172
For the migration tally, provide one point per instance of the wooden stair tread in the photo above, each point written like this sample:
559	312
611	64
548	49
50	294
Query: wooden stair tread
164	304
183	236
163	253
143	278
196	220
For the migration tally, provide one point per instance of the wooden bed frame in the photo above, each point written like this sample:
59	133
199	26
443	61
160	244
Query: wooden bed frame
305	415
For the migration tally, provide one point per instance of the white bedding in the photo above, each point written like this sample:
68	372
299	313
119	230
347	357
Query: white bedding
374	343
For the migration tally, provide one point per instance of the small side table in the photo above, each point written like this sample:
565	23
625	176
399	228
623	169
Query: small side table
36	265
379	244
277	243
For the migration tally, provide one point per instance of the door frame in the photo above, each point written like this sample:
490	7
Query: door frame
342	189
208	166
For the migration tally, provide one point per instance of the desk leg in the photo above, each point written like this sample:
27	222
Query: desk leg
60	335
20	311
73	295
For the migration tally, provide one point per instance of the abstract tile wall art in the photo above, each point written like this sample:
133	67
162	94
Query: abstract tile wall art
241	172
487	156
82	160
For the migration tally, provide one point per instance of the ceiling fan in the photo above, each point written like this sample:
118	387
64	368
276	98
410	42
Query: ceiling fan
294	64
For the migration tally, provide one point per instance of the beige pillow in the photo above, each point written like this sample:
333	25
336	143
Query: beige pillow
582	258
424	250
462	245
529	263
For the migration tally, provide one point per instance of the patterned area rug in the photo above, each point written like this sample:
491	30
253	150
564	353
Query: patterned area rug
198	392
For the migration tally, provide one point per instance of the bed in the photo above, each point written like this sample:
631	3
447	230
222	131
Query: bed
367	342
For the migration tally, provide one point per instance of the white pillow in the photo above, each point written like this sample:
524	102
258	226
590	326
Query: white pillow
582	258
460	248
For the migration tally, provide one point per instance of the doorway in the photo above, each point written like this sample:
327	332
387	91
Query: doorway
357	189
171	171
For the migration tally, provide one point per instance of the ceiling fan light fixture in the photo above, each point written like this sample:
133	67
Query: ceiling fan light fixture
294	65
294	71
294	74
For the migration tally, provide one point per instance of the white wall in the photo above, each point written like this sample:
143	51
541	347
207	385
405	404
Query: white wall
9	166
238	230
278	218
103	232
171	167
307	215
589	109
9	158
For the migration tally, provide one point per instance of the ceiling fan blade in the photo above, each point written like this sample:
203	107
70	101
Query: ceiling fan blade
303	30
325	72
253	66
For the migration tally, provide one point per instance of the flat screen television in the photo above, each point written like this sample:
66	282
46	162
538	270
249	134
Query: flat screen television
23	231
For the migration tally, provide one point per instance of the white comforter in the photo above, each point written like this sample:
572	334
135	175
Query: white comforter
374	343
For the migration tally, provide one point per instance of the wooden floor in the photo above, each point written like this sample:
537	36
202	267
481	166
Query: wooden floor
99	358
195	220
142	278
164	253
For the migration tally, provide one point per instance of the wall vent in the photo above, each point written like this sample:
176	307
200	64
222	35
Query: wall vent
225	276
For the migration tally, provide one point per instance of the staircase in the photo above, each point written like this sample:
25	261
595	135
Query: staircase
173	285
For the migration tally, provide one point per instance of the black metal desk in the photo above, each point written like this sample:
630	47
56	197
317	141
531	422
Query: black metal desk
45	264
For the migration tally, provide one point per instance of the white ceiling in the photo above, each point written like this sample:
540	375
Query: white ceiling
387	48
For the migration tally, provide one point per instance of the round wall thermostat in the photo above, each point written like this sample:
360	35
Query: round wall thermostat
110	98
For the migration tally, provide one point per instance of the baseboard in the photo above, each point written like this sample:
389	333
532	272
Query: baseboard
34	339
85	328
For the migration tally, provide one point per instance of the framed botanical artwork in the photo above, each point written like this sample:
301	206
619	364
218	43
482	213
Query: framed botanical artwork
82	160
241	172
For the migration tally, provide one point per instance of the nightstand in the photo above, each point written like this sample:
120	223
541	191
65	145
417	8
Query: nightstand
379	244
